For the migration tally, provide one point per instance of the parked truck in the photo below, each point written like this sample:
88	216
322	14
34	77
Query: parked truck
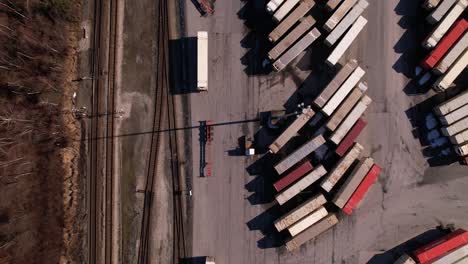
300	212
291	20
284	9
301	185
445	81
440	11
348	104
339	14
273	5
348	141
347	21
312	232
445	25
452	104
293	176
307	221
343	91
451	56
332	4
296	49
454	116
305	25
292	130
346	41
445	44
456	128
429	4
299	154
202	61
439	247
460	138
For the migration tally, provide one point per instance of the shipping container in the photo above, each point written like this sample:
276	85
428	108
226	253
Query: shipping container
454	116
336	83
344	109
305	25
332	4
453	256
456	127
460	138
350	120
312	232
292	130
299	154
348	141
445	25
273	5
405	259
301	185
429	4
352	182
452	104
445	81
462	261
362	189
451	56
296	49
445	44
300	212
347	21
202	61
284	9
441	246
293	176
291	20
341	167
462	150
339	14
308	221
440	11
343	91
346	41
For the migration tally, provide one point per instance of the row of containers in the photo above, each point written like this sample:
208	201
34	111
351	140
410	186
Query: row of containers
340	179
442	66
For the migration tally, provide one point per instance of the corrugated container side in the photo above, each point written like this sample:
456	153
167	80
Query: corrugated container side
311	232
462	261
453	256
299	212
451	56
293	176
440	11
284	9
348	141
441	246
290	21
361	191
307	221
339	14
454	116
452	104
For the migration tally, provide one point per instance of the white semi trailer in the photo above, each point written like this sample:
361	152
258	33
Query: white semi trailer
202	61
445	81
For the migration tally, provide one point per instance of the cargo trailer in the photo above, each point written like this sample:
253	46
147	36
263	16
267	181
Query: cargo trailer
429	4
284	9
439	247
202	61
348	141
460	138
344	109
293	176
452	104
312	232
308	221
332	4
456	128
453	256
454	53
273	5
300	212
405	259
440	11
362	189
454	116
339	14
462	150
445	81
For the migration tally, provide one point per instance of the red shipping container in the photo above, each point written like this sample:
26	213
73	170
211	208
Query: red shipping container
445	44
441	246
293	176
465	160
362	189
348	140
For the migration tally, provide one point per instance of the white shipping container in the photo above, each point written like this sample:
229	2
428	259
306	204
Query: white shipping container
343	91
454	116
347	40
332	4
307	221
405	259
440	11
311	232
456	128
446	80
291	20
346	106
460	138
300	185
453	256
300	212
452	104
451	56
462	261
273	5
445	25
341	167
347	21
284	9
339	14
462	150
202	61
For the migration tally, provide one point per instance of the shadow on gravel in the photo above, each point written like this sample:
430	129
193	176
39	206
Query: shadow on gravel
183	65
390	256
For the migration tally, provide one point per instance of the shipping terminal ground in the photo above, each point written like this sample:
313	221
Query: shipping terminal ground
279	132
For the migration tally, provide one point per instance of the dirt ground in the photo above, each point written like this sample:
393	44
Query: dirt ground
40	198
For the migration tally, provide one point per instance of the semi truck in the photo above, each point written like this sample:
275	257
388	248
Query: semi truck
445	25
445	44
350	120
332	4
452	104
441	246
347	21
284	9
346	41
300	185
456	128
336	82
343	91
429	4
454	116
308	221
348	141
273	5
300	212
445	81
299	154
462	150
451	56
341	167
312	232
305	25
362	189
293	176
460	138
352	182
344	109
440	11
292	130
296	49
291	20
339	14
202	61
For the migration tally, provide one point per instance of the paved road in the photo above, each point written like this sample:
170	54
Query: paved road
409	197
